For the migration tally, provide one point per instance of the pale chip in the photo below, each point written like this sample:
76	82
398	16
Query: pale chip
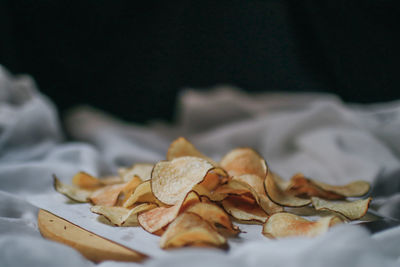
172	180
143	170
72	192
285	224
120	216
352	210
190	229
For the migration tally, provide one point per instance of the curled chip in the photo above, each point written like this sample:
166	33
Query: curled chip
244	209
286	224
189	229
215	216
72	192
84	180
128	190
142	194
156	219
258	186
172	180
353	189
143	170
120	216
306	188
244	161
107	195
181	147
275	188
351	210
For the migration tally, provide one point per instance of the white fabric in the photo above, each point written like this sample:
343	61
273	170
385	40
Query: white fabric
311	133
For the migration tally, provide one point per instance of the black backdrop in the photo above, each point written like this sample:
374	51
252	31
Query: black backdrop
132	59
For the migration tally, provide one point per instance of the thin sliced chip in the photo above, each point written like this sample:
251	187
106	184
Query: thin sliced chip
190	229
284	224
107	195
215	216
275	187
353	189
143	170
244	210
84	180
142	194
181	147
111	179
128	190
120	216
303	187
244	161
172	180
72	192
214	178
262	199
156	219
352	210
211	195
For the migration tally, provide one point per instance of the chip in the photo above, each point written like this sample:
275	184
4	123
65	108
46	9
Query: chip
305	188
244	161
172	180
156	219
353	189
72	192
276	189
352	210
128	190
244	209
120	216
285	224
107	195
84	180
256	183
189	229
181	147
215	216
143	170
142	194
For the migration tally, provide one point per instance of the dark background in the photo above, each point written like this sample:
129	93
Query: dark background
132	59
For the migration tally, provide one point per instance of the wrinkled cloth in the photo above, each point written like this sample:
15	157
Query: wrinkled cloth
315	134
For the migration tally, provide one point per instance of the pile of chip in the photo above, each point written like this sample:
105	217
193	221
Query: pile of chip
191	200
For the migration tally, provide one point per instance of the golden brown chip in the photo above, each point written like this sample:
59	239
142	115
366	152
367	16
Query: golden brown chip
211	195
84	180
352	210
111	179
244	209
262	199
142	194
275	188
155	220
215	216
172	180
284	224
143	170
72	192
181	147
128	190
353	189
107	195
190	229
120	216
303	187
244	161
